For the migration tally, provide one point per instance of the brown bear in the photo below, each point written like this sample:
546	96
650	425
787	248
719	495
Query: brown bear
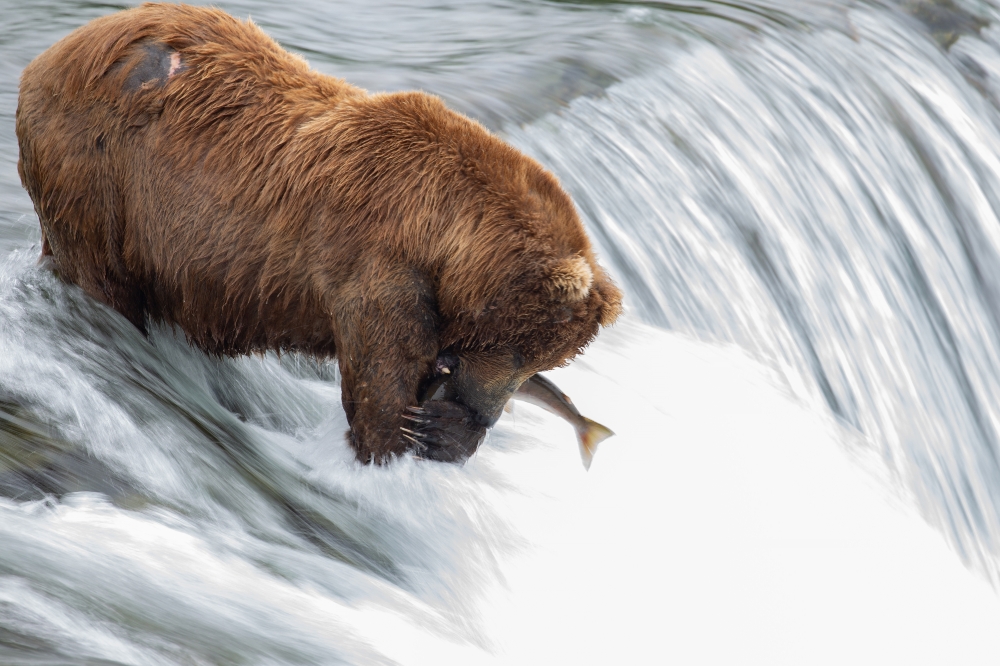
186	169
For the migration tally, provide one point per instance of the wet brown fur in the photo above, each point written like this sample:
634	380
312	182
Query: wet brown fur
260	205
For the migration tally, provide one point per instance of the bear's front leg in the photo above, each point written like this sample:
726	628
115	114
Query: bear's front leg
386	330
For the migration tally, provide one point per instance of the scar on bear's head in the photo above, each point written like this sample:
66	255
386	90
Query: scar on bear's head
155	65
570	279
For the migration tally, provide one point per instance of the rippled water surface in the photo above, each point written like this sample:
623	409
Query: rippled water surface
817	183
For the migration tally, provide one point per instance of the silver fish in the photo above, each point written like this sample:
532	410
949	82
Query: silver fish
542	392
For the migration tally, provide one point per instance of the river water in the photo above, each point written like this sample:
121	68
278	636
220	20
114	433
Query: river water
800	199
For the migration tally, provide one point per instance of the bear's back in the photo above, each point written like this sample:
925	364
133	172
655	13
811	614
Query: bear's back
120	118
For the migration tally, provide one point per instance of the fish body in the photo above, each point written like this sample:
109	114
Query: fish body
540	391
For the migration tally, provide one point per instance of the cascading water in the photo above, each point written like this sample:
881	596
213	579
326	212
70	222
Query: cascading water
827	199
815	183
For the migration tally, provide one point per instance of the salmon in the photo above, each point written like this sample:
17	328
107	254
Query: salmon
542	392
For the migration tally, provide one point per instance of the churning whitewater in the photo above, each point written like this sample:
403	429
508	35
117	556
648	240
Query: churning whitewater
800	201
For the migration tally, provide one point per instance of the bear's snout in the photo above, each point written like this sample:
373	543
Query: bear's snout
482	384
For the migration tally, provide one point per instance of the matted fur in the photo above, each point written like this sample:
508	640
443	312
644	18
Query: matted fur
186	169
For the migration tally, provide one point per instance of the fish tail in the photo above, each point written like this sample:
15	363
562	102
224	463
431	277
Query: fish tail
591	433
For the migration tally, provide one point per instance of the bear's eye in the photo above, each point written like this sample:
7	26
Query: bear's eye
562	315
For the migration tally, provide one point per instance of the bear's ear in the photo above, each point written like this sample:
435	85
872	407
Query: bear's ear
570	279
611	306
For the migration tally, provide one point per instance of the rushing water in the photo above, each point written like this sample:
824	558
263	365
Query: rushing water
815	182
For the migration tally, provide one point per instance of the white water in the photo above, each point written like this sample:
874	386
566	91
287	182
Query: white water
726	524
723	522
810	185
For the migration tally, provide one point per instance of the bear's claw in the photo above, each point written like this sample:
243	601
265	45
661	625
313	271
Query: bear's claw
414	418
443	430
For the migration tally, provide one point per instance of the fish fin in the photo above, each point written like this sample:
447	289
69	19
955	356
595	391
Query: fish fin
591	434
509	407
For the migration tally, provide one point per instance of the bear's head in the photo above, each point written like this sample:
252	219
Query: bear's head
528	298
